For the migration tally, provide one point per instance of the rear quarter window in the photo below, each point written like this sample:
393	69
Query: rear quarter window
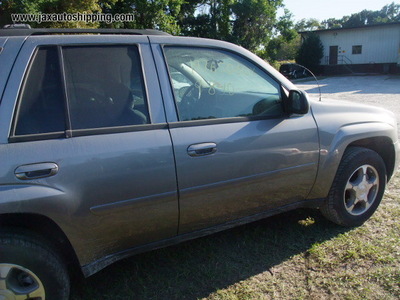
41	104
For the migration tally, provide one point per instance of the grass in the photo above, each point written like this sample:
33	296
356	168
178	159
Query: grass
296	255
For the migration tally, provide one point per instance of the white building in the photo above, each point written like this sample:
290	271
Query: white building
371	48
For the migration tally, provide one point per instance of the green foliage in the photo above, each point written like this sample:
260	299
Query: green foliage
248	23
7	7
310	52
279	49
283	46
388	14
156	14
285	26
253	22
332	23
212	19
308	25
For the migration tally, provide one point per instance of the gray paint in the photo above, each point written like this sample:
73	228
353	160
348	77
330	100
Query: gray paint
115	194
340	123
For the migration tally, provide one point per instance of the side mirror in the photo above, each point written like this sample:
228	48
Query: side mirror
298	103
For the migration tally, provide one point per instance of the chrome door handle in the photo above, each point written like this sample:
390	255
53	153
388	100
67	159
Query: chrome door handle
202	149
35	171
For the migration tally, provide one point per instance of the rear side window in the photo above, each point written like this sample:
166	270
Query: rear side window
41	107
81	87
104	86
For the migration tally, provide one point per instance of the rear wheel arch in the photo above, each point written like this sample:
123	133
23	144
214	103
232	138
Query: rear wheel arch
30	267
45	230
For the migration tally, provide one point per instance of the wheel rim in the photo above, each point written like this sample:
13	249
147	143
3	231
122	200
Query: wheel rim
18	283
361	190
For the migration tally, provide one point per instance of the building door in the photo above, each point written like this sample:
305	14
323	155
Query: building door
333	55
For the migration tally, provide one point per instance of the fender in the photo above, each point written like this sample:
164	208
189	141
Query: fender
332	153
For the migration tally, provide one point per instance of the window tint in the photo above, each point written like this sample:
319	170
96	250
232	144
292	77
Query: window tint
220	84
41	107
104	86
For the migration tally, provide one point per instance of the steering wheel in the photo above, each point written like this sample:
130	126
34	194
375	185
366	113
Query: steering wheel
190	97
192	93
267	106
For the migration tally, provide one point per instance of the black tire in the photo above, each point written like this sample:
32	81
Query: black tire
29	266
357	189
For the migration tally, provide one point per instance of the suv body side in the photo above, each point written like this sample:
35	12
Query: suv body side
128	189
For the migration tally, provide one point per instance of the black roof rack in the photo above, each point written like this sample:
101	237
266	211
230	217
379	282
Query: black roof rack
17	26
22	31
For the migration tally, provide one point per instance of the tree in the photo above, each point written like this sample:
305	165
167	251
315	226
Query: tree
311	52
308	25
155	14
285	26
8	7
248	23
333	23
279	49
285	43
207	18
253	22
388	14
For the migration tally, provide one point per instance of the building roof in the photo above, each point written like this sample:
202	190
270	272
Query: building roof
355	27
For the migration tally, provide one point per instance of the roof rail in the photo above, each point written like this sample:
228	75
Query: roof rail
21	30
17	26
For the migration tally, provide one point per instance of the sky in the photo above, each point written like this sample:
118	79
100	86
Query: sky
325	9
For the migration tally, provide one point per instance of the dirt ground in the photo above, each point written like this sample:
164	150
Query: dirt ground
382	90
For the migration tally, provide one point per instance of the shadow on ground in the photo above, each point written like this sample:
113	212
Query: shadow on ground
197	268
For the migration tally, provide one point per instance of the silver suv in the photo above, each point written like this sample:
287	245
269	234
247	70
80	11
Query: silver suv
117	142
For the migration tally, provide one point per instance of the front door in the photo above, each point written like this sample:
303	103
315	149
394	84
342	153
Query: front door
237	152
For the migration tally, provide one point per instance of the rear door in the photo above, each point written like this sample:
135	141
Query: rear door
88	145
237	152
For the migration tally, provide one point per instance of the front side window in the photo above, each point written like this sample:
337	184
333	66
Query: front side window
212	83
105	86
41	108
